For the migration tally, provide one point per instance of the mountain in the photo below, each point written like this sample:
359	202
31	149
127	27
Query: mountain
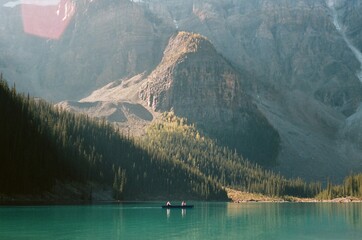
286	44
304	74
297	60
199	84
346	18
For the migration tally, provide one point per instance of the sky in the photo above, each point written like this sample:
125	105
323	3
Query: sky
12	4
44	18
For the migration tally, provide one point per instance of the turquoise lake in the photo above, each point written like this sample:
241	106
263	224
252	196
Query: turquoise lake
205	221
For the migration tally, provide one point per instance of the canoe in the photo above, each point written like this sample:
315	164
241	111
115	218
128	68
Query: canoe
177	206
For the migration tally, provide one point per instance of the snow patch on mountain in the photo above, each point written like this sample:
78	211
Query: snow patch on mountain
340	28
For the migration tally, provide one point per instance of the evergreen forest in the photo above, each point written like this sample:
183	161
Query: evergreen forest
174	139
351	187
41	146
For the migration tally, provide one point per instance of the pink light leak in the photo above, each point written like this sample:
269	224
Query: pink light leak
47	21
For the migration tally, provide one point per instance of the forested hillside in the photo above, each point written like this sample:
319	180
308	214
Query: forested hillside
174	139
351	187
41	145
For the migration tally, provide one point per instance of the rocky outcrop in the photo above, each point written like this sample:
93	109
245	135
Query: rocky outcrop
199	84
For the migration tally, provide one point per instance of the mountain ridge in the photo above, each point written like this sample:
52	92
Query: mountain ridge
193	76
197	83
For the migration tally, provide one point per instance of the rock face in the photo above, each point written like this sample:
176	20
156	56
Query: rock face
291	45
352	129
199	84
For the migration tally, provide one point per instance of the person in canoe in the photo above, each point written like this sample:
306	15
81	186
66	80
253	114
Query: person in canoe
183	203
168	203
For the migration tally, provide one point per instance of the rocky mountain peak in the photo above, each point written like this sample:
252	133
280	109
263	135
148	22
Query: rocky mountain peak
190	60
198	83
179	47
186	42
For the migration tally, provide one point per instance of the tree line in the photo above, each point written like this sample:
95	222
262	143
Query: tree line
351	187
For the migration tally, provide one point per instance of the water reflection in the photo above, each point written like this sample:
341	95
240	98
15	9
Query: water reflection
278	220
351	213
204	221
183	212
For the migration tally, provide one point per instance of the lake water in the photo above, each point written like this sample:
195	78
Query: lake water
205	221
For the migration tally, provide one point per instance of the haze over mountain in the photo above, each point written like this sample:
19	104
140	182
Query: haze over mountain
195	82
296	60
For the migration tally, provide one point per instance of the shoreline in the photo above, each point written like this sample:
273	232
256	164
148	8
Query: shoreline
20	203
236	196
103	196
